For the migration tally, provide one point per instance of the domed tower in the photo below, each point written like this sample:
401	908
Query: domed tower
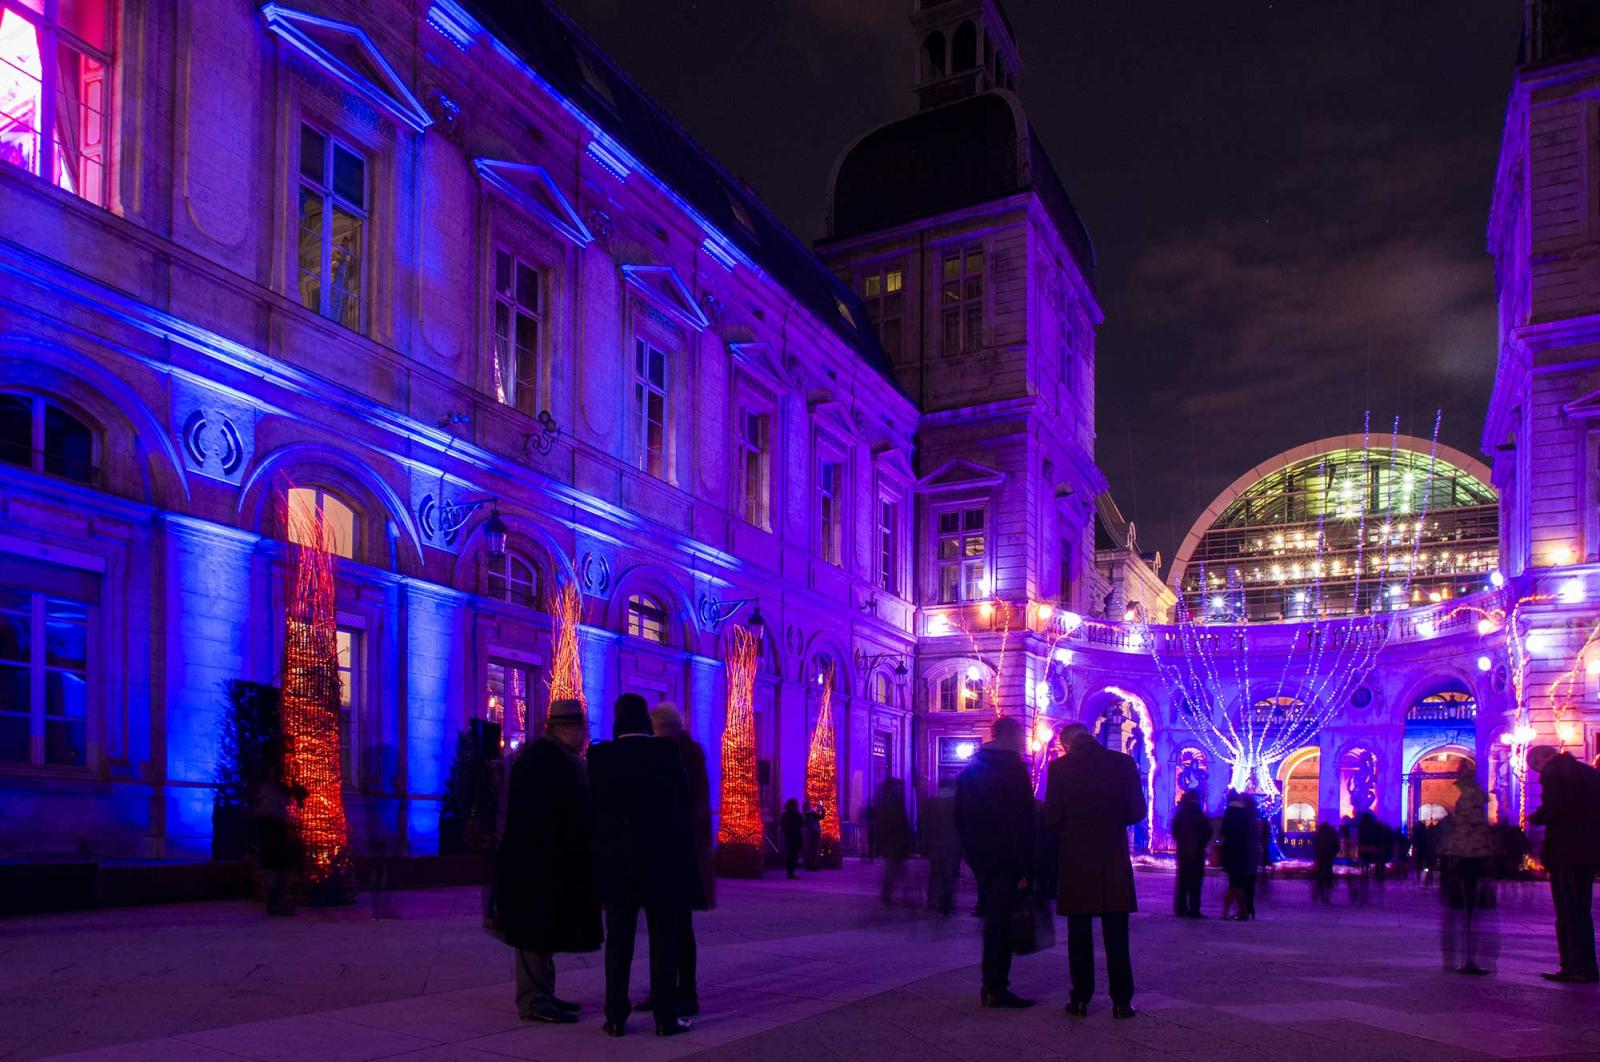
977	274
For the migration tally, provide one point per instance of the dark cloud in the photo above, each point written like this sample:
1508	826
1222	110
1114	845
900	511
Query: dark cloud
1287	200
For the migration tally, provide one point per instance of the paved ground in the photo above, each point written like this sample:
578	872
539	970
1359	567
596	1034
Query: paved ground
807	970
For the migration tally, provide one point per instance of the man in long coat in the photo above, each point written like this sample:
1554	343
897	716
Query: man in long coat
1092	796
545	899
995	818
1191	833
644	853
1569	811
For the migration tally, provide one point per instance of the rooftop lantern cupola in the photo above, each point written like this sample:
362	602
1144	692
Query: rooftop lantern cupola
964	47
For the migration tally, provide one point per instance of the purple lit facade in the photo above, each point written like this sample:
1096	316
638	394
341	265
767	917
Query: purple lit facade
437	268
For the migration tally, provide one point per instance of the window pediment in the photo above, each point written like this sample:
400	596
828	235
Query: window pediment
532	188
347	53
667	292
959	475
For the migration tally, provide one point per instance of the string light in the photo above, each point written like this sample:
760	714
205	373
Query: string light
566	653
311	706
739	830
822	772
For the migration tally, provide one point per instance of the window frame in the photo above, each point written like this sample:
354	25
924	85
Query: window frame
879	285
351	644
321	495
39	407
658	462
638	607
38	668
888	546
968	308
755	510
516	309
52	37
829	507
535	580
962	561
508	666
330	198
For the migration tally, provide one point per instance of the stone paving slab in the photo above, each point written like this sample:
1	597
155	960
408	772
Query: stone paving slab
809	970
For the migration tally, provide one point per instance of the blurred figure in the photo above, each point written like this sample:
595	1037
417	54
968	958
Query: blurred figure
667	722
1368	840
1241	857
278	850
813	835
1569	811
995	819
942	845
1191	833
1466	853
792	823
544	892
894	835
644	852
1264	876
1513	849
1426	837
1092	795
1324	850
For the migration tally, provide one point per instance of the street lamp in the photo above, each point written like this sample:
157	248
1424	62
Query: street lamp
494	536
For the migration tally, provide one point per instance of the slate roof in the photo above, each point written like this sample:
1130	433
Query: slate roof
548	40
972	151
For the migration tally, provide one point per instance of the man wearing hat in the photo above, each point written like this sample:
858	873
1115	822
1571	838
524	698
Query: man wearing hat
645	857
544	894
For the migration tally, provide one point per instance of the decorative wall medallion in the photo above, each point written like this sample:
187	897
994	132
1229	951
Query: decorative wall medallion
594	573
217	437
1361	697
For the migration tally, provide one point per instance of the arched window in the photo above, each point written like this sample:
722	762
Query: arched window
1300	817
933	56
38	434
964	47
309	505
513	578
647	618
882	688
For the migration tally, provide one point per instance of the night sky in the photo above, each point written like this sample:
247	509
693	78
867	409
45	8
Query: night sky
1288	200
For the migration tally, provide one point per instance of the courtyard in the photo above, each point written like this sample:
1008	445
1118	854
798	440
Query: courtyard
809	969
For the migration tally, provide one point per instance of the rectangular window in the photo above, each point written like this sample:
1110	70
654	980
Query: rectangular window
755	468
44	679
961	300
350	675
54	92
961	549
650	408
331	250
830	499
882	292
506	702
518	320
888	546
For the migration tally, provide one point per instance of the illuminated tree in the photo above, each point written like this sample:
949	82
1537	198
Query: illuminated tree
311	708
566	663
822	773
740	835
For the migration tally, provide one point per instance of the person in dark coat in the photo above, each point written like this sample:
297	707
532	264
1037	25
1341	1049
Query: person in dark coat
544	893
1324	850
667	722
1092	795
792	823
894	835
995	819
813	835
644	852
1569	811
1191	833
1241	856
277	842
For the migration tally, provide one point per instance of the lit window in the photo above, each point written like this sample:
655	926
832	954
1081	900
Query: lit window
506	703
311	506
53	66
40	435
650	408
961	549
514	579
1299	817
882	292
961	300
755	468
350	675
44	679
647	618
882	688
518	319
888	546
333	225
830	499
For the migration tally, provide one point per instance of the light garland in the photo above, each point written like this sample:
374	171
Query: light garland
822	773
740	834
311	708
566	652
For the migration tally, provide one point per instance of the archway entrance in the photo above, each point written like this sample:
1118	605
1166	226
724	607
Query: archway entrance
1431	785
1120	720
1300	777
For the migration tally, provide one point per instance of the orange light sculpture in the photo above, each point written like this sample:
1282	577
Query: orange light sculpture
311	704
739	832
566	665
822	774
